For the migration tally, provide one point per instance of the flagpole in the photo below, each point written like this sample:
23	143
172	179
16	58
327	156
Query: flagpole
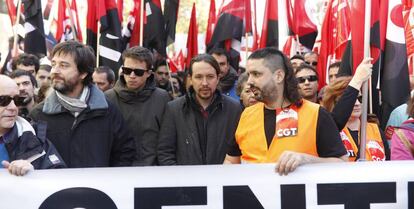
98	36
363	128
15	50
72	23
246	36
141	22
169	76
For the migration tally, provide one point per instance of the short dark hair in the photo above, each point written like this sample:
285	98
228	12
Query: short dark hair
158	63
19	73
297	56
204	58
304	66
139	53
110	75
334	65
82	54
220	51
26	60
274	59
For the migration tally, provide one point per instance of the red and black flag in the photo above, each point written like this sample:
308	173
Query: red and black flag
192	38
233	22
211	21
34	40
408	12
300	23
110	44
395	86
270	28
154	27
131	34
170	16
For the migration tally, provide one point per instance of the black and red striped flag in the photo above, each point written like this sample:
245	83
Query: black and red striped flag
211	21
110	44
270	28
170	16
33	25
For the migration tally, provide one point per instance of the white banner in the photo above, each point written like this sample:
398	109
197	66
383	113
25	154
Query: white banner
376	185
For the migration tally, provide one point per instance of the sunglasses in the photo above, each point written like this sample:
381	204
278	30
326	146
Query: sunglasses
5	100
309	78
312	63
138	72
359	98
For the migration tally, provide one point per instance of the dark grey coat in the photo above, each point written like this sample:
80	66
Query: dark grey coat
142	111
178	143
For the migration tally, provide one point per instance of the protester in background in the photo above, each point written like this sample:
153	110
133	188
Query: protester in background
402	139
20	149
376	144
228	75
178	86
296	60
43	74
243	91
87	130
27	84
141	103
307	78
311	58
162	75
104	78
197	128
303	132
27	62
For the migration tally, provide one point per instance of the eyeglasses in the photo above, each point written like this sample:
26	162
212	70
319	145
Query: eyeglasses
312	63
309	78
359	98
138	72
5	100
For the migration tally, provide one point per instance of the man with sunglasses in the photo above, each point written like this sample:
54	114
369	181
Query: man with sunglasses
87	130
311	58
20	149
140	102
282	127
307	78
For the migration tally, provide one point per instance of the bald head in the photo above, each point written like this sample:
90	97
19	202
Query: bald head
6	81
8	109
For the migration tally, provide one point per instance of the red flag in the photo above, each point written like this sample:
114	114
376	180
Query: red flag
64	24
270	28
133	30
300	23
211	21
334	36
247	17
11	8
255	34
192	43
408	15
120	6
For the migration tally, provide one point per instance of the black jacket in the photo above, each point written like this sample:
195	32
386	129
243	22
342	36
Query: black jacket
143	111
22	143
179	141
98	137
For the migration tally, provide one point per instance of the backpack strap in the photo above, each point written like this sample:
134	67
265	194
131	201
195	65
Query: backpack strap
404	140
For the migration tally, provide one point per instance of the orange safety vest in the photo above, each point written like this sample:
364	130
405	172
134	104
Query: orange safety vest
374	148
251	138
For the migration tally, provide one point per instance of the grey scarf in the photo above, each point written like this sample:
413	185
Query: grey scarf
74	105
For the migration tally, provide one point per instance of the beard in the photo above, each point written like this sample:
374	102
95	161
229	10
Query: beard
64	86
267	93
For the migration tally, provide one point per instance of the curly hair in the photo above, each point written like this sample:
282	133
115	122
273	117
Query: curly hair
334	91
274	59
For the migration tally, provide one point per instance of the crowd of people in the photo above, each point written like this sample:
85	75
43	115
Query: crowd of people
62	111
